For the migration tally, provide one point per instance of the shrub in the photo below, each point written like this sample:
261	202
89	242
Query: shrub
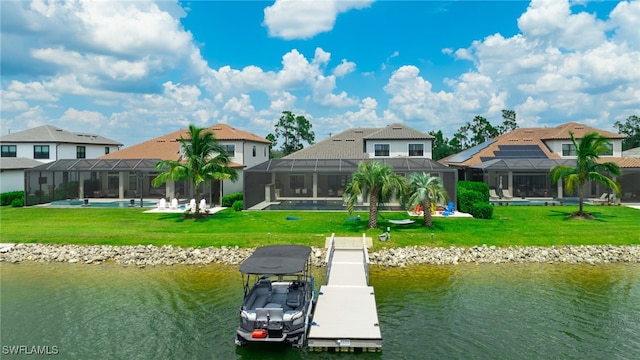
480	187
229	199
7	198
482	210
17	203
238	205
466	199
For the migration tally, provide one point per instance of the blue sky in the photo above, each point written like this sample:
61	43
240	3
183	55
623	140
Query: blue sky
135	70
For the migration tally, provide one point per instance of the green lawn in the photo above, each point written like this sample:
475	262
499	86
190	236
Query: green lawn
511	225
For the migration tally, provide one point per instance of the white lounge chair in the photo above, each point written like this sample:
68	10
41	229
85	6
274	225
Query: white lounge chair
174	204
203	205
162	204
506	194
493	195
604	199
192	205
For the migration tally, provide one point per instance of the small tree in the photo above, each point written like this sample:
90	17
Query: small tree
293	130
204	160
377	182
423	190
631	128
588	151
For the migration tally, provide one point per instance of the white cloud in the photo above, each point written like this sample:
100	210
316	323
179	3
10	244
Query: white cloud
83	118
303	19
345	67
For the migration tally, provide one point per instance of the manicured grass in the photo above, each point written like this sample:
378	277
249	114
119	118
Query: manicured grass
511	225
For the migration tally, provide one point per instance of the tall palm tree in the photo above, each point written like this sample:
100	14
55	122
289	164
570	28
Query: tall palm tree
588	150
423	190
204	159
377	182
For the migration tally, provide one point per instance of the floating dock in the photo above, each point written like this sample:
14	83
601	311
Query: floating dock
346	317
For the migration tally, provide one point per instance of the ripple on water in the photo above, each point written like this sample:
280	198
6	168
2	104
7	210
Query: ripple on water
464	311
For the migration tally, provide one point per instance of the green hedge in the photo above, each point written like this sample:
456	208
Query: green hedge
229	199
481	210
480	187
7	198
466	199
17	203
238	205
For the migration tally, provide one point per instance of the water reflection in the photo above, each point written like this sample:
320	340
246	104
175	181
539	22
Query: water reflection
190	312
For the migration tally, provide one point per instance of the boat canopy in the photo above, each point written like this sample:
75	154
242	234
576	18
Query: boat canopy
277	260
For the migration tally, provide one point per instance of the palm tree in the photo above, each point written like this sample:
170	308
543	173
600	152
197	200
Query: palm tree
204	159
423	190
377	182
588	151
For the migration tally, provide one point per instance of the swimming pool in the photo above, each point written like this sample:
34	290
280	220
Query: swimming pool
103	204
318	205
547	202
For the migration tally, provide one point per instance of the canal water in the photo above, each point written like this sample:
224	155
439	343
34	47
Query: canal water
507	311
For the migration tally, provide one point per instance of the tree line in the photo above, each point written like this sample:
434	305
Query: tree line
292	131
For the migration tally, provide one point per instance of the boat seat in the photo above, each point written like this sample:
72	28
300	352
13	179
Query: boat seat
294	298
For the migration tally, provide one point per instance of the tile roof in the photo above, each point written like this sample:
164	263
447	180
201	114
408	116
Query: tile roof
349	144
18	163
49	133
621	162
526	136
167	147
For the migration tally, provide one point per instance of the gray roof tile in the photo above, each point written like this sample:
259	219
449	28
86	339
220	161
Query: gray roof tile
49	133
349	144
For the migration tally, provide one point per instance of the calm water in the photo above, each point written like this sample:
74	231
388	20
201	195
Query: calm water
429	312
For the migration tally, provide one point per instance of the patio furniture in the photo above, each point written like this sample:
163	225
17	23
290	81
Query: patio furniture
506	194
493	195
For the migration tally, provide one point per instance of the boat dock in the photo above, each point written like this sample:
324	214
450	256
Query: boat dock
346	317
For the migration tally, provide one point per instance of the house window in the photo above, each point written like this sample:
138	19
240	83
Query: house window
40	151
254	151
9	151
609	151
568	150
230	150
106	150
416	149
381	149
81	152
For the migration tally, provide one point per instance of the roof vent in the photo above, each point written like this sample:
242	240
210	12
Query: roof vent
529	131
350	139
514	139
162	140
358	131
396	127
336	139
216	128
579	127
527	139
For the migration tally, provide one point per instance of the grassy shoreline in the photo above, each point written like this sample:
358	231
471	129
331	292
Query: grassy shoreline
510	226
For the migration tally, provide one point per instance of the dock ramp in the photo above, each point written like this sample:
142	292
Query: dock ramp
345	316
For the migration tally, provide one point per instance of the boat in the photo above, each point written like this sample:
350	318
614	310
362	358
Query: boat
279	295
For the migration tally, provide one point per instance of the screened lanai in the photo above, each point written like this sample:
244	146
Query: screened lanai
106	178
325	179
530	178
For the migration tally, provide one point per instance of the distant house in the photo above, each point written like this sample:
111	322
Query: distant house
44	144
320	172
520	161
128	173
